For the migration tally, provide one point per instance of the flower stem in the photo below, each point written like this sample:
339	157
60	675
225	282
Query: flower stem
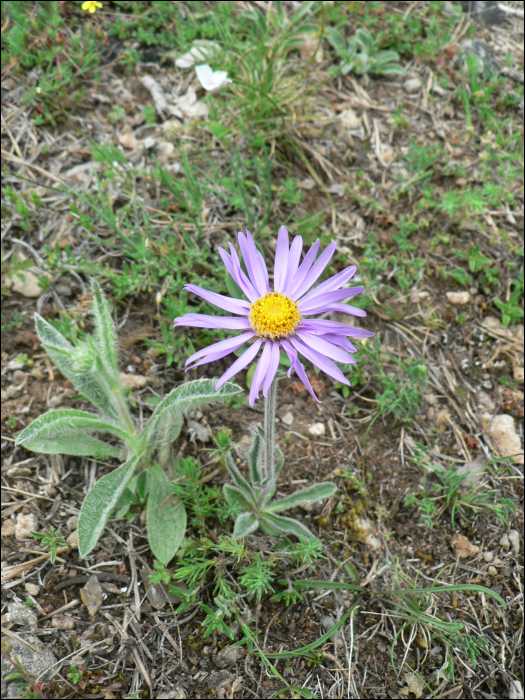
270	407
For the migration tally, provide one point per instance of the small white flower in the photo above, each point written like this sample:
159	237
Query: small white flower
211	80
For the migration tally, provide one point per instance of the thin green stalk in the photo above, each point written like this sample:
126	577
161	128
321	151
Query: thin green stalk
270	407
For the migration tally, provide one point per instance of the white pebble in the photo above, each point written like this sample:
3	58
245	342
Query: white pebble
317	429
514	538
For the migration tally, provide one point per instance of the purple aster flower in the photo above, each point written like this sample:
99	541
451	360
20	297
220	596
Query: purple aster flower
281	319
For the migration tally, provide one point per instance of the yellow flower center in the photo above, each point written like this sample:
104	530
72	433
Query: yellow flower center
274	316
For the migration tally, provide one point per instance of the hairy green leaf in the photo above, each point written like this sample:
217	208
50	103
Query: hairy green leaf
245	524
255	456
100	503
105	331
236	498
182	399
314	493
239	479
95	386
286	526
62	432
166	517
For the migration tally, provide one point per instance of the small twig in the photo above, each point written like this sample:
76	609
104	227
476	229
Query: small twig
136	655
512	74
19	568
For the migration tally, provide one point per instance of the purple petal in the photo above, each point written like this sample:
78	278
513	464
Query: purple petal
260	265
316	271
236	306
240	363
242	274
341	341
229	345
254	263
249	261
273	366
304	269
297	366
293	262
230	323
313	305
260	373
246	287
344	309
331	284
320	326
324	364
321	345
281	260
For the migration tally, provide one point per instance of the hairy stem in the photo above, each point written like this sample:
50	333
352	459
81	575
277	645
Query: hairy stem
270	407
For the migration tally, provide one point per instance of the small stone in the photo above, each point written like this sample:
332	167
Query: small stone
63	622
72	523
8	528
37	661
32	588
133	381
415	685
458	298
20	614
431	413
518	374
514	538
29	286
463	548
505	542
220	679
287	419
92	595
502	430
350	119
197	431
442	419
317	429
165	150
228	656
128	140
176	693
24	525
485	403
412	85
493	571
72	540
488	556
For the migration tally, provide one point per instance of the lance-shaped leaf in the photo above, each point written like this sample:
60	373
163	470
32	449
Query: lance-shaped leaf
256	455
236	498
95	386
67	432
166	517
312	494
239	479
105	331
100	503
285	526
279	459
182	399
245	524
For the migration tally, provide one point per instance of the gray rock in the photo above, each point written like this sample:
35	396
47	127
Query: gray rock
220	679
176	693
35	664
23	615
486	61
412	85
197	431
228	656
485	11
